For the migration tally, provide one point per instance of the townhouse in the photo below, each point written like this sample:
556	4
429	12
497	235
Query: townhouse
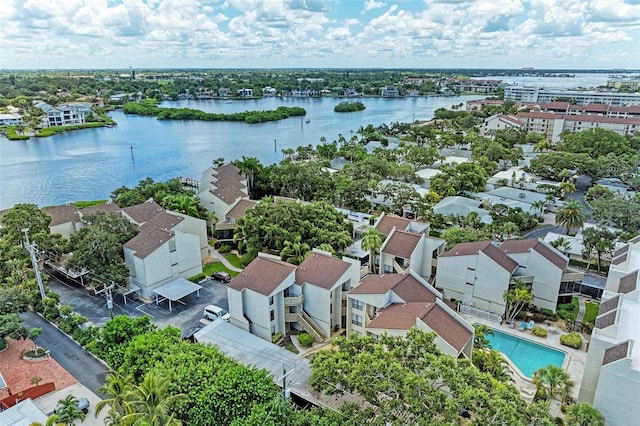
611	379
271	296
395	303
220	189
479	273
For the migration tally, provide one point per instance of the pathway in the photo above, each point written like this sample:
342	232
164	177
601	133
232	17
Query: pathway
577	326
213	252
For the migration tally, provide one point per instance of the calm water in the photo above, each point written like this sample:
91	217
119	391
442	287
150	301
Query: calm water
527	356
89	164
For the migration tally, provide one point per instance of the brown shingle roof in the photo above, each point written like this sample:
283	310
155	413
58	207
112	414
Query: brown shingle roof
616	353
628	283
228	193
388	222
321	270
162	220
404	286
402	244
108	207
62	214
400	316
448	327
148	241
523	246
468	249
241	208
263	275
621	250
142	212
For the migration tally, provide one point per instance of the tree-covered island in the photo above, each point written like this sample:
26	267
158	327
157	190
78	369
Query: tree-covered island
349	107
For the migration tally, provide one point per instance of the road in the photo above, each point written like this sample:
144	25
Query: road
71	356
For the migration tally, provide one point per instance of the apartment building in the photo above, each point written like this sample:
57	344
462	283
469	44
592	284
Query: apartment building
395	303
220	189
536	95
611	379
64	114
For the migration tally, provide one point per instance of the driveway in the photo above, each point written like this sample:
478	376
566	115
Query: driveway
182	316
70	355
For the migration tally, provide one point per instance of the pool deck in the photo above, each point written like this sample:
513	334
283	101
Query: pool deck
574	363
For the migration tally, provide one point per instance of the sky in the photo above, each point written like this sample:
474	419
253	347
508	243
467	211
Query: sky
108	34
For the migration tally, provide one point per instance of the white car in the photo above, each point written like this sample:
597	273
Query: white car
213	312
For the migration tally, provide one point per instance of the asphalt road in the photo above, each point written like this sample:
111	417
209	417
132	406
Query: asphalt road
71	356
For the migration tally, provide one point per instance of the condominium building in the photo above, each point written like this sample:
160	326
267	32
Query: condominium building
535	94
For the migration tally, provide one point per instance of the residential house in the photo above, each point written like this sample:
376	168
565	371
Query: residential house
65	220
220	188
245	93
406	250
10	120
271	296
268	92
224	92
394	303
479	273
225	228
389	92
611	379
64	114
462	206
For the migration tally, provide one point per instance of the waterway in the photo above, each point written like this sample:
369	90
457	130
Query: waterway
89	164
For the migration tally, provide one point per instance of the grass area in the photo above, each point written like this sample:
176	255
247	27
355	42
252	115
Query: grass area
49	131
217	266
591	312
84	204
291	347
234	260
12	135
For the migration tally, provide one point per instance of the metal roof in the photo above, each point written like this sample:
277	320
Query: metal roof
177	289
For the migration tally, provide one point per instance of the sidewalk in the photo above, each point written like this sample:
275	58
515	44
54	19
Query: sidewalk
213	252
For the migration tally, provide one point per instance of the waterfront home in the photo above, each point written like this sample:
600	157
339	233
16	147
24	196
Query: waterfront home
220	189
395	303
64	114
611	380
10	120
271	296
389	92
65	220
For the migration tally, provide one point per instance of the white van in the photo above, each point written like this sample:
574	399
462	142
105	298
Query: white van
213	312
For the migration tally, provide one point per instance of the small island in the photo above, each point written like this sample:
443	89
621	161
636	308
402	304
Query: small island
349	106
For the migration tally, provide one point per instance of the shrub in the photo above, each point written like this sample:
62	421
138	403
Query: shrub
587	327
225	248
3	344
539	331
549	313
538	317
197	278
38	353
276	337
305	340
573	340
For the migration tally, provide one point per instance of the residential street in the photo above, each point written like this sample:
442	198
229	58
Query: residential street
71	356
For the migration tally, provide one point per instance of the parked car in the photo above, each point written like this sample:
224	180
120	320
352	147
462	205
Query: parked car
190	333
213	312
221	276
83	405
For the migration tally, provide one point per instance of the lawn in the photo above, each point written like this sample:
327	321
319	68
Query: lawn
591	312
234	260
217	266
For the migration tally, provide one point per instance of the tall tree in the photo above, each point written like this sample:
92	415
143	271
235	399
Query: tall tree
583	414
571	215
552	381
249	166
150	402
516	299
372	240
116	387
599	240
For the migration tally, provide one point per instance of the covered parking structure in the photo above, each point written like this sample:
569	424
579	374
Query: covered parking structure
175	290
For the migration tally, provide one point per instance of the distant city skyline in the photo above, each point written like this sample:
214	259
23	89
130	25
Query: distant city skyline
99	34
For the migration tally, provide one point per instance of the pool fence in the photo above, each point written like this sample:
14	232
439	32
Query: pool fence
479	313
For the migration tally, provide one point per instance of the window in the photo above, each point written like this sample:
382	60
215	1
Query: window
388	269
172	245
357	304
273	315
271	300
356	319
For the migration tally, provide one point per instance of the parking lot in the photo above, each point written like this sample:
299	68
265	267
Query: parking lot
182	316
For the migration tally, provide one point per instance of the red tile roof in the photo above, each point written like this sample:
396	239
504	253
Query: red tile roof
263	275
321	270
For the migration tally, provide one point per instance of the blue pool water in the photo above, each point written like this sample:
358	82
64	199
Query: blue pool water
526	355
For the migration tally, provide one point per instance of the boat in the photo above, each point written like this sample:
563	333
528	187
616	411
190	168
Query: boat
308	121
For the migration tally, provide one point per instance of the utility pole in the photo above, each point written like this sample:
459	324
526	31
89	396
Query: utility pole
31	248
285	391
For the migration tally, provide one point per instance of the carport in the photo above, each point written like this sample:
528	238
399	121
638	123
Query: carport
175	290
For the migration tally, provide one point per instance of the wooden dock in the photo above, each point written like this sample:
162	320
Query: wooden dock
190	182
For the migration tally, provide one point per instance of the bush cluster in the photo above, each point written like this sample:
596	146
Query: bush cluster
539	331
549	314
276	337
573	340
305	340
225	248
349	107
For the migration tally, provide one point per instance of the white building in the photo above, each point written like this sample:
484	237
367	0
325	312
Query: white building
611	379
10	119
64	114
271	296
538	95
499	122
389	92
395	303
220	189
65	220
268	91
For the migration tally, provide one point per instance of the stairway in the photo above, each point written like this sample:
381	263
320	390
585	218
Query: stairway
311	327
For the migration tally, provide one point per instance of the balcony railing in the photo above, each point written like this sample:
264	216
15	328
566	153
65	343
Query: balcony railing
293	300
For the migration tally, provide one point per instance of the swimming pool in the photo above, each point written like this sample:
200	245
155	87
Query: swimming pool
526	355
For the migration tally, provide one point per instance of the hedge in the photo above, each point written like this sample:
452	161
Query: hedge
305	340
573	340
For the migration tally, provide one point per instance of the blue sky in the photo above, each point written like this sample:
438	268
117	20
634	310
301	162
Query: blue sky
320	33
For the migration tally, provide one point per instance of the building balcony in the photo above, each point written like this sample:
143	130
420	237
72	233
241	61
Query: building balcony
293	300
572	276
293	317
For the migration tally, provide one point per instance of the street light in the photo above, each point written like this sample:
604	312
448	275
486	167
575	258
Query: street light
31	248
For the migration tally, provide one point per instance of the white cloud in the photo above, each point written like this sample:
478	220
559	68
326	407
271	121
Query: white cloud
372	5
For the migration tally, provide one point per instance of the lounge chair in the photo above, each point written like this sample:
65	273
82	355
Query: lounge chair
531	324
512	324
523	326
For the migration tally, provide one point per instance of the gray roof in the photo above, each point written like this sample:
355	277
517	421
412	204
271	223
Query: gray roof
23	413
461	206
518	194
177	289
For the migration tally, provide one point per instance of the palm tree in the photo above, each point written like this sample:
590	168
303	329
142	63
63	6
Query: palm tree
68	412
116	386
566	188
552	380
571	215
561	243
185	204
149	403
294	252
583	414
480	340
539	205
372	241
249	166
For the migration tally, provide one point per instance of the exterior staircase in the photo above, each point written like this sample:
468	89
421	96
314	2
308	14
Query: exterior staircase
311	327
